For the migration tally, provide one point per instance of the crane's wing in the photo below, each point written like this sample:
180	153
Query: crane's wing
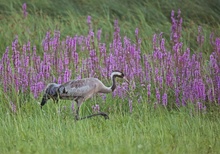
77	88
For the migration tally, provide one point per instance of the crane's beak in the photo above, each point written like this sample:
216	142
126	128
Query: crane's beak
44	101
125	79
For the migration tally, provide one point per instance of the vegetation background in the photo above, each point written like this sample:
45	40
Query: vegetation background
146	130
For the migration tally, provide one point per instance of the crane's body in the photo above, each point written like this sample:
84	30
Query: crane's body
79	90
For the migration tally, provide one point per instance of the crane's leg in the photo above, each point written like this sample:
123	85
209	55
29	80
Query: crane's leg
89	116
77	114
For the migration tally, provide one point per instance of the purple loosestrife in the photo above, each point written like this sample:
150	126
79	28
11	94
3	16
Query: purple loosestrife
198	90
155	42
201	107
66	59
16	63
67	75
55	41
157	95
176	27
33	89
149	91
46	41
60	81
89	22
96	108
200	37
103	97
16	53
177	95
136	35
46	66
6	71
99	35
218	88
130	103
72	46
39	88
210	92
60	68
211	39
28	47
213	64
215	71
91	38
175	70
164	99
24	8
121	90
26	56
73	107
116	31
217	46
147	69
13	107
93	59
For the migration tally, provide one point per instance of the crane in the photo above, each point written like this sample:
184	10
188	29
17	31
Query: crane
79	91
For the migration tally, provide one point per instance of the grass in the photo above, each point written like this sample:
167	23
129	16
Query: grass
146	130
70	18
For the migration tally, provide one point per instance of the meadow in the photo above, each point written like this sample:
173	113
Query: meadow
169	51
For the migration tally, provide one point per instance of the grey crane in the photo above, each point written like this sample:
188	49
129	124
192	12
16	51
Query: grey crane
79	91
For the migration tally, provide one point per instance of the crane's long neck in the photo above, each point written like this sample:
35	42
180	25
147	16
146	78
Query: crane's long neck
111	88
113	83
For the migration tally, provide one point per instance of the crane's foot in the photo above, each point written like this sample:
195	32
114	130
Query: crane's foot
93	115
77	118
104	115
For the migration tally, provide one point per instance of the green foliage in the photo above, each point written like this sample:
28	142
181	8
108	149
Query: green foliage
70	18
146	130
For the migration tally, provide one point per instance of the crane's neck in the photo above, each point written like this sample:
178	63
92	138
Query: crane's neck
111	88
113	83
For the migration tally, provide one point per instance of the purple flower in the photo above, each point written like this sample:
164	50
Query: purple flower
96	108
13	107
164	99
89	19
136	32
176	27
130	105
99	34
104	97
149	91
73	107
200	37
67	75
24	7
89	22
200	106
158	95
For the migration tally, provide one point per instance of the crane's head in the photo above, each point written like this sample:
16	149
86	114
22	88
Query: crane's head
50	92
119	74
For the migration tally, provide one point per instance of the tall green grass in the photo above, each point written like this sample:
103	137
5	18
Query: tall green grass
150	128
146	130
70	18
